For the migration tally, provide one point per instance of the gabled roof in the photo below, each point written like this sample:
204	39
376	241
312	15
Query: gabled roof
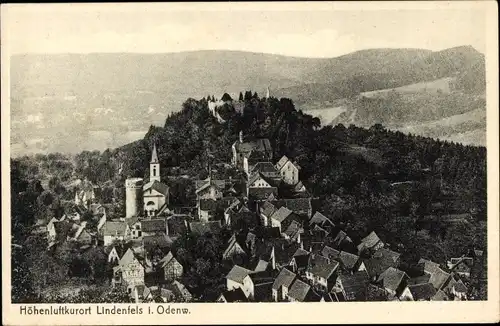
114	228
180	290
369	241
420	279
320	219
355	284
258	175
208	205
297	205
440	296
213	227
438	278
281	162
260	145
156	185
293	229
260	193
128	257
423	291
299	290
429	266
330	253
391	278
340	238
381	260
235	295
167	260
153	241
322	266
281	214
154	225
267	208
265	168
238	273
348	260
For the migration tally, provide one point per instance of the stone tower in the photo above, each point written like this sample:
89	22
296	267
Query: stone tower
133	197
154	166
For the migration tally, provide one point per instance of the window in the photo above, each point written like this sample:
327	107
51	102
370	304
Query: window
154	172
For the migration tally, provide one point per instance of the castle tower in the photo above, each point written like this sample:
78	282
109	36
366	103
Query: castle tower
154	166
133	197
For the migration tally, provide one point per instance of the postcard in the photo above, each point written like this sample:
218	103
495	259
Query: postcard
249	163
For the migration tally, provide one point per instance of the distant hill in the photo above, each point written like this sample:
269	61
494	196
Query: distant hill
63	100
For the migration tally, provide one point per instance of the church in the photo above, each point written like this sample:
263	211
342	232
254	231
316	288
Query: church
155	193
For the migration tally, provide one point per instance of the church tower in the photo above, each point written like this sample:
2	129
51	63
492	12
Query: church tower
154	166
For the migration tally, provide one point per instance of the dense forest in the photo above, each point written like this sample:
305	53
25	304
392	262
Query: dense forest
424	197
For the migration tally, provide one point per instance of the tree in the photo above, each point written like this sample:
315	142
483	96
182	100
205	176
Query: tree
240	98
226	97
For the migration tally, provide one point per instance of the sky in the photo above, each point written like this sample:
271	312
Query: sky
313	30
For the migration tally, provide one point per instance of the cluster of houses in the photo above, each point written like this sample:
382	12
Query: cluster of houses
281	249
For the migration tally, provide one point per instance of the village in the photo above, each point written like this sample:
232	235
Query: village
281	249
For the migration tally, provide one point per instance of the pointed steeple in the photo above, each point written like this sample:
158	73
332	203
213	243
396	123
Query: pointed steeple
154	155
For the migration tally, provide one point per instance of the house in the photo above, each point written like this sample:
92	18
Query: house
342	241
300	291
241	218
393	281
115	254
235	295
353	287
293	231
206	209
461	266
282	218
300	206
86	193
300	260
254	157
134	225
115	231
213	227
330	253
181	293
101	222
154	227
371	241
440	296
321	271
438	277
380	261
151	242
234	248
455	288
155	193
320	220
157	295
288	170
350	263
261	193
241	149
239	277
82	235
130	271
282	284
171	267
210	189
265	210
419	292
300	188
266	169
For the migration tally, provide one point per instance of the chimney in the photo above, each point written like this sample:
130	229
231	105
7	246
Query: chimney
241	136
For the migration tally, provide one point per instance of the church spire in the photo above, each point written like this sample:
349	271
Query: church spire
154	166
154	155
